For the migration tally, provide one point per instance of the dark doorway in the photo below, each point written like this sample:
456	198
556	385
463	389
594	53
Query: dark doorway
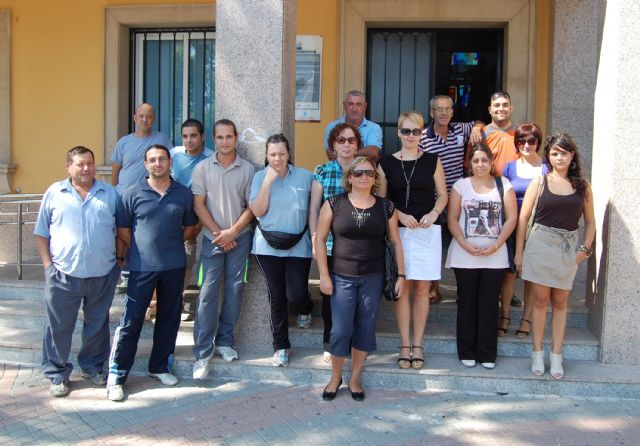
406	67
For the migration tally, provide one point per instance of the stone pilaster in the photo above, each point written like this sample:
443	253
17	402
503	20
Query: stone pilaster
614	272
255	88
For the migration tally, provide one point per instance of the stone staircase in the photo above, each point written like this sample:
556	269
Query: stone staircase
21	322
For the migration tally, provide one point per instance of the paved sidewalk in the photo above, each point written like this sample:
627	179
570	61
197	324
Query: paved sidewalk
250	413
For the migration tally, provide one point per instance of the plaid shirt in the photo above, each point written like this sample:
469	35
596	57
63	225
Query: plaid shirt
329	175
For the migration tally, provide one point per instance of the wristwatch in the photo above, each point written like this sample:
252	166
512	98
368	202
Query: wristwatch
402	275
588	251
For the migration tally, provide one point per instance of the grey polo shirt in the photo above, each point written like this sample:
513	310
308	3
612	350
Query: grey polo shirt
226	190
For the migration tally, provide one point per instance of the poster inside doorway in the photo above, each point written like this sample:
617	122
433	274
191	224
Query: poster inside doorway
308	77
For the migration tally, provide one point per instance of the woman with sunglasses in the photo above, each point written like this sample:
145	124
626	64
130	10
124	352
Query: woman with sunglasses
357	221
552	255
529	165
481	218
415	182
279	199
345	140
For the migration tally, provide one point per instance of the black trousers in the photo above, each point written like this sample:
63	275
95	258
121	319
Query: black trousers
477	322
288	281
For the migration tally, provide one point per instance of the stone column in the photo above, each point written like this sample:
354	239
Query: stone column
255	88
614	272
574	62
6	168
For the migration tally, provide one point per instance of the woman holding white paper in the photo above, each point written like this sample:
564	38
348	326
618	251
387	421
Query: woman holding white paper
414	181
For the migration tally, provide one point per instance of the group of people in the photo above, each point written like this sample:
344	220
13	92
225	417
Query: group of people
466	185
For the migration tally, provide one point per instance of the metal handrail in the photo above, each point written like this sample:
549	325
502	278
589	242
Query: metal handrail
19	200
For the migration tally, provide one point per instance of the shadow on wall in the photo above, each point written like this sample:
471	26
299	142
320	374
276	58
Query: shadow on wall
597	276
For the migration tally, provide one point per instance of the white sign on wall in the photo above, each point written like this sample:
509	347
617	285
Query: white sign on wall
308	77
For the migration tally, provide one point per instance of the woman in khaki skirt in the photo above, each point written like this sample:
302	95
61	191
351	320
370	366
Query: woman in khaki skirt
552	252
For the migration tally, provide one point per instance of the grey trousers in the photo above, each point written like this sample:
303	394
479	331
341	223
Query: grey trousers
63	295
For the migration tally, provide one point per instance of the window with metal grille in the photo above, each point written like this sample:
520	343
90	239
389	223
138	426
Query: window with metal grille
174	70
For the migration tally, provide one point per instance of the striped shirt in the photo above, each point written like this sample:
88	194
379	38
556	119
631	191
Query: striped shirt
451	151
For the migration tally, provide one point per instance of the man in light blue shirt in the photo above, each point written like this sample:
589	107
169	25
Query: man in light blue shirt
76	240
184	159
127	161
355	105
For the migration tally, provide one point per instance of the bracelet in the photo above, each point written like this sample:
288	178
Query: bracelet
436	211
588	251
119	258
402	275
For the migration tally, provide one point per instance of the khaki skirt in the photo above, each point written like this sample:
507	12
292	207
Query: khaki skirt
550	257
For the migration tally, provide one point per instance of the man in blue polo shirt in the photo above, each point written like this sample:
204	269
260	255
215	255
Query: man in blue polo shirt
184	159
154	216
76	240
355	106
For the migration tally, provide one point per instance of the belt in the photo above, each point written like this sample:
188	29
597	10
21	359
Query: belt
565	235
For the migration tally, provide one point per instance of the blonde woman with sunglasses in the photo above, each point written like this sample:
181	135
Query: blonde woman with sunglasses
415	182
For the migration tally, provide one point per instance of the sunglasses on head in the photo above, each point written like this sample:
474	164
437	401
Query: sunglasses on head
350	140
368	172
532	141
406	132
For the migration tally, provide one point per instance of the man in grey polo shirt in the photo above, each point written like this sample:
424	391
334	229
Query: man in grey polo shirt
76	240
221	187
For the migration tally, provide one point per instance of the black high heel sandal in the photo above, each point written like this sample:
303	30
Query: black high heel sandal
417	363
523	333
405	363
503	331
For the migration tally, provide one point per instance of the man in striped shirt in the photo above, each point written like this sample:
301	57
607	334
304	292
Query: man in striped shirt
448	140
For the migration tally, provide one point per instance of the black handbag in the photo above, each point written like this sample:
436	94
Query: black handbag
390	266
511	241
281	240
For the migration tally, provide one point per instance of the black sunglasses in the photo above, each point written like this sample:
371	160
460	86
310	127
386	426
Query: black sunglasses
406	132
368	172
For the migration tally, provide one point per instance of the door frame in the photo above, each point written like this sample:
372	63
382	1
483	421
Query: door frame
518	18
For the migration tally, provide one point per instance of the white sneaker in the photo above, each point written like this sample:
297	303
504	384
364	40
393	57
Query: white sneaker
326	357
468	362
201	367
115	392
489	365
165	378
280	358
304	320
227	353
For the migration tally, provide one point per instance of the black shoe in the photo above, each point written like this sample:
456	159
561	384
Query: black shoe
329	396
358	396
516	301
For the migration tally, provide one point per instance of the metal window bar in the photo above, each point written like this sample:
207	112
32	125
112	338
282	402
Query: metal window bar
138	63
23	204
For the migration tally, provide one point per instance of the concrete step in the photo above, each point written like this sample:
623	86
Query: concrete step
443	312
439	336
441	372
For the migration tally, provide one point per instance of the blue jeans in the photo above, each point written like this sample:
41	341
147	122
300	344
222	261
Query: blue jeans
354	309
231	266
168	287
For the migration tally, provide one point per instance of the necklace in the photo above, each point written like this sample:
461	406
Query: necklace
359	216
408	180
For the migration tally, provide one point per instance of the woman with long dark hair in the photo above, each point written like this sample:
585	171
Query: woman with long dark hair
551	256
